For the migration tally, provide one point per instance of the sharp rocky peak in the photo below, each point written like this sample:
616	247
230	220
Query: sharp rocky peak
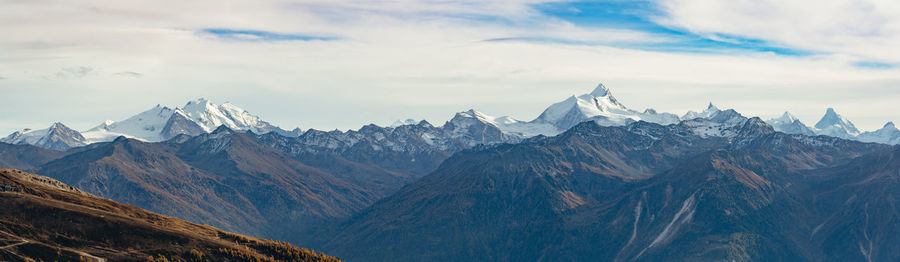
600	91
832	118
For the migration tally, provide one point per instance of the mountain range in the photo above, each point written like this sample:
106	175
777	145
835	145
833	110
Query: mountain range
202	116
641	192
588	179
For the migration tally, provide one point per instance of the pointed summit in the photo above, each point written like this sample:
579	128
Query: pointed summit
789	124
600	91
709	112
889	134
788	116
599	105
57	137
833	124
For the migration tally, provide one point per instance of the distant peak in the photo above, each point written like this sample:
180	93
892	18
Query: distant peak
830	111
222	129
890	125
600	91
788	117
198	101
424	123
711	107
473	113
398	123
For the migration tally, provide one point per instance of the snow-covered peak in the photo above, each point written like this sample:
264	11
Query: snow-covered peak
197	102
210	116
408	121
197	116
789	124
709	112
600	91
56	137
787	117
478	115
599	105
833	124
889	134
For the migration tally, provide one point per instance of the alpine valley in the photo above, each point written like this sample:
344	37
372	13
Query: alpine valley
588	180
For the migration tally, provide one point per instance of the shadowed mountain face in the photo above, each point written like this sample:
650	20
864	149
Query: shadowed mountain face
640	192
266	185
47	220
225	179
25	156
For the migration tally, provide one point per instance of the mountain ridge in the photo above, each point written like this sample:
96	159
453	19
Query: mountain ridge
202	116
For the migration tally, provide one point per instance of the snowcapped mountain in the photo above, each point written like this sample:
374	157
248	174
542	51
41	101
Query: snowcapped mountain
56	137
833	124
159	123
196	117
408	121
706	113
508	125
788	123
886	135
600	106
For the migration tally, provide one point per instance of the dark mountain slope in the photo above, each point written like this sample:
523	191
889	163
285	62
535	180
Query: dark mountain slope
641	192
153	177
509	202
289	195
858	209
25	156
225	179
44	219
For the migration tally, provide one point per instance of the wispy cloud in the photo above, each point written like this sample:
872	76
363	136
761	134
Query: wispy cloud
129	74
867	30
74	72
257	35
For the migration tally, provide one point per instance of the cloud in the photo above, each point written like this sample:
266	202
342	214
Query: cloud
257	35
129	74
419	59
74	72
863	29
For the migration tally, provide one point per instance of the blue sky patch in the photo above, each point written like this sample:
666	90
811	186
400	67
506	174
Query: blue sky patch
640	15
257	35
874	65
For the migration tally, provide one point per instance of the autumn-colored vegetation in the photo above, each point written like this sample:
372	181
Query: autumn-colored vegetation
45	220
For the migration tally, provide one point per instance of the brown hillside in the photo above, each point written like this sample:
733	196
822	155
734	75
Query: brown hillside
44	219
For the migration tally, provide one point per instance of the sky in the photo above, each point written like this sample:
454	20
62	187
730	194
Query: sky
328	64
